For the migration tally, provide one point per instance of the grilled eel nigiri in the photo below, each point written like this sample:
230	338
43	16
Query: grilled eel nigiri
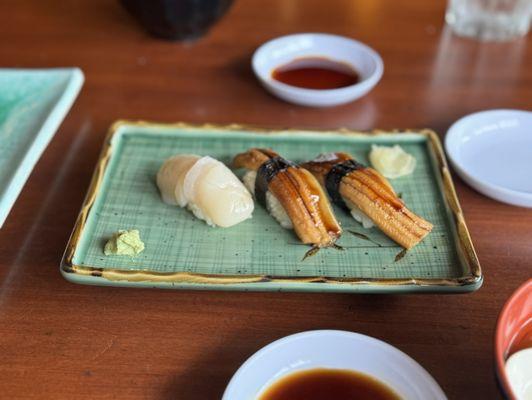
363	189
291	194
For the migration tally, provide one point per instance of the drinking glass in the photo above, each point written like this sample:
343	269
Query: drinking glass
496	20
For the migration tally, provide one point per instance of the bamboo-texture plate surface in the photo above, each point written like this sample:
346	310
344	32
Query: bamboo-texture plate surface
258	254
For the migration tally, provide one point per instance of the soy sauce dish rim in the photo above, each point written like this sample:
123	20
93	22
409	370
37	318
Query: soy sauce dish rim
366	82
425	383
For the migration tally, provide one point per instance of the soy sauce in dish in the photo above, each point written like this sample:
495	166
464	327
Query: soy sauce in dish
329	384
316	73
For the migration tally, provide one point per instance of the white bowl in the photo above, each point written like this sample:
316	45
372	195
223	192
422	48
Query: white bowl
332	349
281	51
492	152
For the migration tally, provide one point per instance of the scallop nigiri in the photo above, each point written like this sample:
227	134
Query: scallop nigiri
206	187
292	196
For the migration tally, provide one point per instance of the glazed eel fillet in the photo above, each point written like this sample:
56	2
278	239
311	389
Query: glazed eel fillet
291	194
354	185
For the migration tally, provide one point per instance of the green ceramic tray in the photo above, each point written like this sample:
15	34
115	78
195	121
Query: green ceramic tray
33	102
183	252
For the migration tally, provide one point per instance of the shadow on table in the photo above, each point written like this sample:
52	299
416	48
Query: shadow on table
207	377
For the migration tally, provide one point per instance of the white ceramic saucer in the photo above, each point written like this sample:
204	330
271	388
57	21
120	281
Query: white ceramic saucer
332	349
492	152
281	51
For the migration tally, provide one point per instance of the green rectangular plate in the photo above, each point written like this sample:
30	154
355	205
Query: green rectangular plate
258	254
33	102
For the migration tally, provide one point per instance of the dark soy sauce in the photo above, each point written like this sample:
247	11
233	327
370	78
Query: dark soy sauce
329	384
316	73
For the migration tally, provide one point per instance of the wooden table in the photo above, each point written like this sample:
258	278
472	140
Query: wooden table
60	340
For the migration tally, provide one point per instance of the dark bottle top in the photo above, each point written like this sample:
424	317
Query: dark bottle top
177	19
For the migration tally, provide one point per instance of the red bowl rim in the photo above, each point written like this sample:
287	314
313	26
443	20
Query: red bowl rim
499	351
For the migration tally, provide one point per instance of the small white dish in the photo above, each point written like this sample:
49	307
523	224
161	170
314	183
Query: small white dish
332	349
281	51
492	152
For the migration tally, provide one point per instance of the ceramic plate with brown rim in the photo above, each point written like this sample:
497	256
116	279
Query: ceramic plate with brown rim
183	252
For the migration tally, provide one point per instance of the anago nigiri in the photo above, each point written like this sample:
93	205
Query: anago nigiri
292	196
369	196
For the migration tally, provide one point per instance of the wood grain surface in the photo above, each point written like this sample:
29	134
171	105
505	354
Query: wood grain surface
59	340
